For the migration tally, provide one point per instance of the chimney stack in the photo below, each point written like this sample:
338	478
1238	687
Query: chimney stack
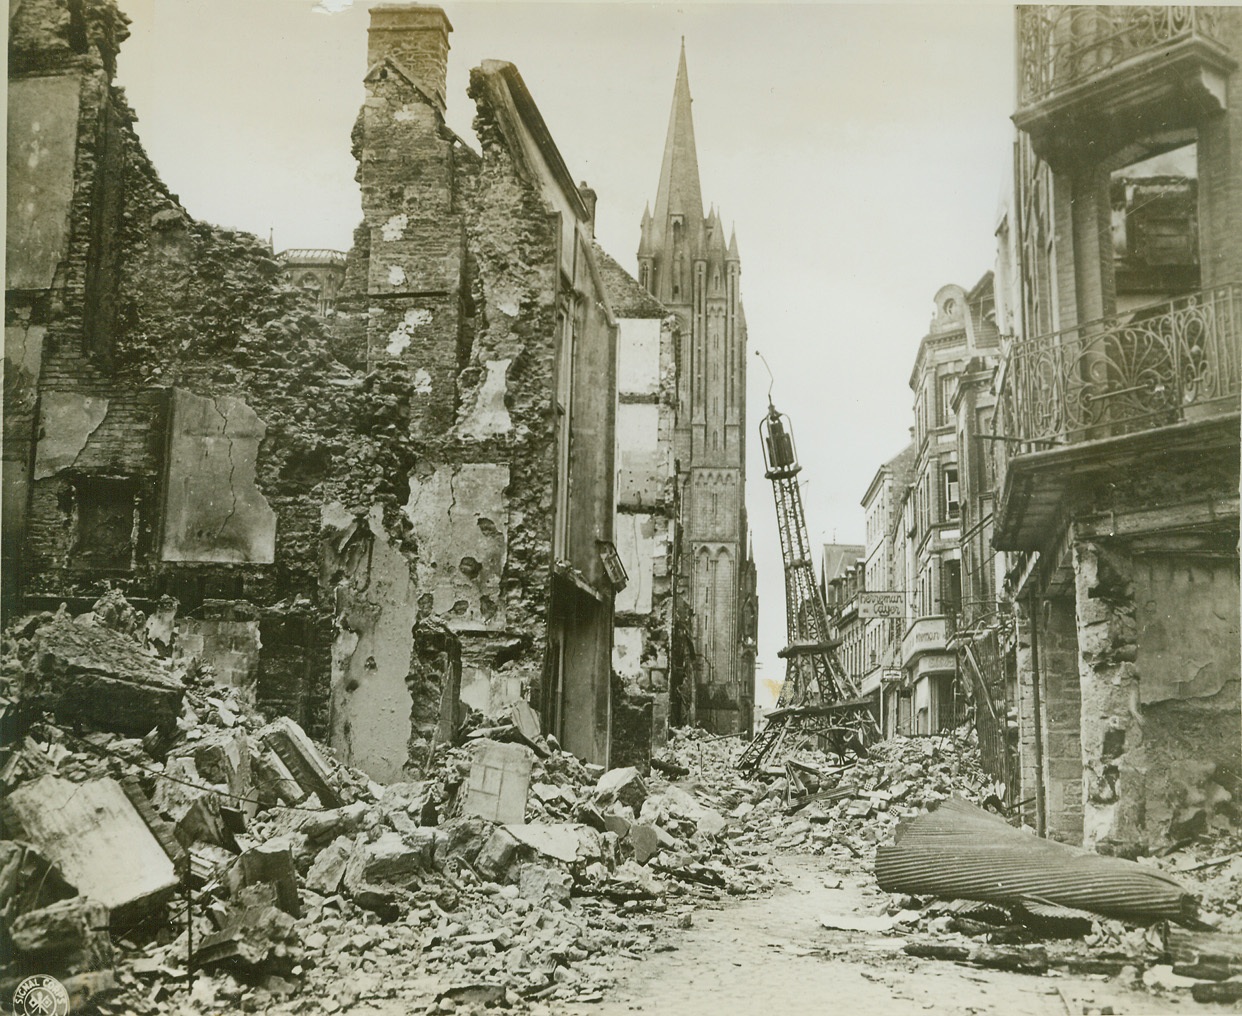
416	37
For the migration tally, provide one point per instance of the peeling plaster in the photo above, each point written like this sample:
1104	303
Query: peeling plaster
459	516
395	226
489	416
376	603
422	381
214	511
68	421
396	275
399	338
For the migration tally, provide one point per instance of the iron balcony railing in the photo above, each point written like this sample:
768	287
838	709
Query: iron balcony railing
1059	47
1152	367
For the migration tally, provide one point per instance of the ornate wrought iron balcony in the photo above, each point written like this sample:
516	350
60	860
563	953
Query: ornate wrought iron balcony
1060	47
1094	79
1159	365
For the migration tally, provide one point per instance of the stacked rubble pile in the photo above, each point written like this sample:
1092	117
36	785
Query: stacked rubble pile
187	853
817	805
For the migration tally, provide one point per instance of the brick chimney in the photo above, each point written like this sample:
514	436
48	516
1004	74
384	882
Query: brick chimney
416	37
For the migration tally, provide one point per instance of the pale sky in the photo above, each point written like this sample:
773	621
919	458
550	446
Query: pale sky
861	151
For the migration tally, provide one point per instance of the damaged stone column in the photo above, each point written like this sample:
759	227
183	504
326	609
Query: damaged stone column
1112	724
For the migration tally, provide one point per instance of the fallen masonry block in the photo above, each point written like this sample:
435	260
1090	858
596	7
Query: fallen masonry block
28	881
260	939
274	782
303	760
328	868
526	720
86	673
499	782
268	863
224	757
623	785
564	842
496	855
70	936
392	861
193	808
208	862
645	841
538	883
97	838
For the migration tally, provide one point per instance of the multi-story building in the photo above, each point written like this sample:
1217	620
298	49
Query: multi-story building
841	583
366	517
962	328
647	521
884	606
1118	406
685	261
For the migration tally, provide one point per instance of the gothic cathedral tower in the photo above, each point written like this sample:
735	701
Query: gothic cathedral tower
684	261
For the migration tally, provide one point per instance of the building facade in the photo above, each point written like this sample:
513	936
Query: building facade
685	261
371	519
647	516
962	328
319	272
1118	405
885	609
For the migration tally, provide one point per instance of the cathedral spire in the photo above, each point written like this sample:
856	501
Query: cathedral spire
679	192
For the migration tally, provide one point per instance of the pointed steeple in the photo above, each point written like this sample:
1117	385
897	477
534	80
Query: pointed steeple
733	254
679	192
644	233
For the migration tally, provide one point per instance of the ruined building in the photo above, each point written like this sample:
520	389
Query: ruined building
1118	409
685	261
369	519
648	517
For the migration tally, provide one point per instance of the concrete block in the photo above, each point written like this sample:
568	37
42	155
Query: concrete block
100	842
499	782
624	785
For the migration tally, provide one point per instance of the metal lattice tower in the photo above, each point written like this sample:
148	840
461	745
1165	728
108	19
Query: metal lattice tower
818	698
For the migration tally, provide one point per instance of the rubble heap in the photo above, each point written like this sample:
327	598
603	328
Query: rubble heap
210	857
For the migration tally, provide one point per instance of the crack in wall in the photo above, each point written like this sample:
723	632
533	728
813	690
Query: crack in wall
224	429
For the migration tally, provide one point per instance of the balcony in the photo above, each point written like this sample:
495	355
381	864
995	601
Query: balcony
925	635
1094	79
1111	391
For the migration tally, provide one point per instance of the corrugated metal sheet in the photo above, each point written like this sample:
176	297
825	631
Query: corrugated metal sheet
959	851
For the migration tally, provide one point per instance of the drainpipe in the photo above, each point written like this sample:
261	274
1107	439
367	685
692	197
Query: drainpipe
1041	811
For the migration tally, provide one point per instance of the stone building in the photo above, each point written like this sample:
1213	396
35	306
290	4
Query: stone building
962	328
685	261
842	584
318	272
1118	405
368	519
648	515
885	609
473	284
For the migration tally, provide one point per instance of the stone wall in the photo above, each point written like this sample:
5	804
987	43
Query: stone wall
1159	661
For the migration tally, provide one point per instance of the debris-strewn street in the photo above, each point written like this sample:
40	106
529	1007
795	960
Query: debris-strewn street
243	867
432	611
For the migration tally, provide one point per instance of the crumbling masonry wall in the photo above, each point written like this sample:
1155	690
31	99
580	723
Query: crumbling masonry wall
193	416
453	289
1159	662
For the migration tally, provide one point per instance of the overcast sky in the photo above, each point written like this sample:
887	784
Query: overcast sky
861	151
